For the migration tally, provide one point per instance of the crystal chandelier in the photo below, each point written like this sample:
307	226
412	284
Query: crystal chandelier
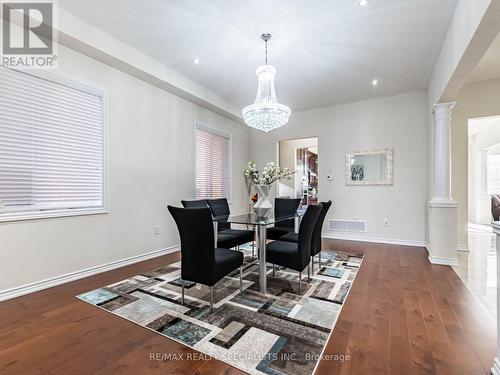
266	113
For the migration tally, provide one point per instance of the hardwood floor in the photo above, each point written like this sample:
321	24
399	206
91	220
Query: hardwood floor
403	316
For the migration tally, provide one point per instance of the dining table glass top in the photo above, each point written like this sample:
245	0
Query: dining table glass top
252	219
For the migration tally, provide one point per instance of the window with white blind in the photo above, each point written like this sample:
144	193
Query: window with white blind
51	146
212	159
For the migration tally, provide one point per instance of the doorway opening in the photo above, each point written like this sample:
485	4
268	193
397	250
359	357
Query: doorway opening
478	266
301	156
484	167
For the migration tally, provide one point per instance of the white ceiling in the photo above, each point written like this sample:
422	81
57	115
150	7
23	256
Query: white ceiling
489	65
326	51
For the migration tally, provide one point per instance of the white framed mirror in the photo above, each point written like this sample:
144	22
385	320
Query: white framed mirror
371	167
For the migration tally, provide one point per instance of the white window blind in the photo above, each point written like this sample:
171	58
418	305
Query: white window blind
213	177
51	144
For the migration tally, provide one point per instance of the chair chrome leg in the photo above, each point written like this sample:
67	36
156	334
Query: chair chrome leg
312	265
308	274
253	249
241	280
300	282
211	298
319	256
274	270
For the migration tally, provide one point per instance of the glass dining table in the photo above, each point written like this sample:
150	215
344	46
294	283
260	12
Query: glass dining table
260	225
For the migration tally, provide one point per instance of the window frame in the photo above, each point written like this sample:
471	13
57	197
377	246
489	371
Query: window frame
229	137
91	88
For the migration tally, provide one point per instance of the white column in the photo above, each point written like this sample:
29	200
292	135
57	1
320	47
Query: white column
442	151
442	216
495	369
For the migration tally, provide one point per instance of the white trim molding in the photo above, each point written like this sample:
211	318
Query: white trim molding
51	214
72	276
443	261
463	247
443	203
389	241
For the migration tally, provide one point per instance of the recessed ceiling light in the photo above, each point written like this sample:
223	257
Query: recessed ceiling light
363	3
196	61
375	82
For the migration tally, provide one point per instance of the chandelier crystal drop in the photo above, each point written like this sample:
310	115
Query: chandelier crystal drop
266	113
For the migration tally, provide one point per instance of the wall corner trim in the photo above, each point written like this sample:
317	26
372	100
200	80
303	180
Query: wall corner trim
443	261
66	278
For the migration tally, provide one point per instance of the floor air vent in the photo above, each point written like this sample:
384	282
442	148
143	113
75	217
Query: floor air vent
347	225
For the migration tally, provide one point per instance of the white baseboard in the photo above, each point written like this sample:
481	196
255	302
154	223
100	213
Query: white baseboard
495	370
347	237
443	261
463	248
66	278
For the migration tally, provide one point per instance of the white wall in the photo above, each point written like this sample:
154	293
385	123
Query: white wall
479	99
150	165
399	122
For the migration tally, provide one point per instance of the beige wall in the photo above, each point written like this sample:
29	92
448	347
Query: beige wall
150	165
400	122
479	99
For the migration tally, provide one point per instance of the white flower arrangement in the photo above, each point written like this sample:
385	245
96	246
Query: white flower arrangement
270	174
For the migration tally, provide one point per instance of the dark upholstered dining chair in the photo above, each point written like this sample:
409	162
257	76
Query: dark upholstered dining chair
197	203
220	207
226	237
201	262
316	237
283	207
296	255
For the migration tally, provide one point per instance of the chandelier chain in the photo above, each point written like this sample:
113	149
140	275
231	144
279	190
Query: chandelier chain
266	51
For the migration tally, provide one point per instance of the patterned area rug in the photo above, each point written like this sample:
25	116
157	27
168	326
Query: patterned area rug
280	333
